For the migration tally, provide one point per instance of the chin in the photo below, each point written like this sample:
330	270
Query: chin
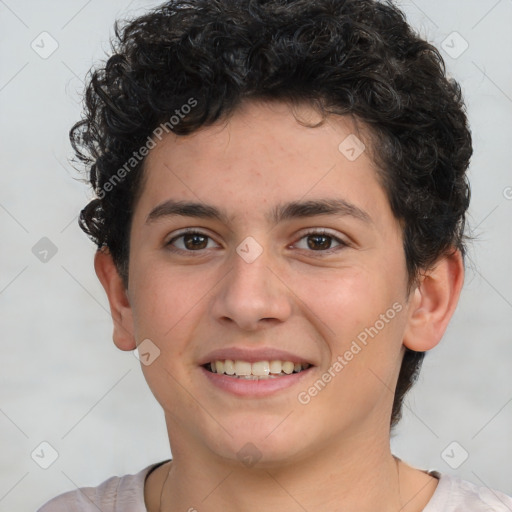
261	443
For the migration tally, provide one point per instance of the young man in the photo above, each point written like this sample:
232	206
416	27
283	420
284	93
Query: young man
281	197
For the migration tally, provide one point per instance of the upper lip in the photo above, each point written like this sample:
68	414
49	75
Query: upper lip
252	355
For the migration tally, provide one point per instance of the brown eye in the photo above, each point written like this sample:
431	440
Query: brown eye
190	241
321	241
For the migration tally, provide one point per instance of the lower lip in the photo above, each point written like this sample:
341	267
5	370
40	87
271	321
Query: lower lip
254	388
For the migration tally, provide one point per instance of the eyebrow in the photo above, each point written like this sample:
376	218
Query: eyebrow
280	213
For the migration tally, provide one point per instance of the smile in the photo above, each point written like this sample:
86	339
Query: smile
258	370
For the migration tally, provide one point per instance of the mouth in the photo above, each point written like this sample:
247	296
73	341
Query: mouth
258	370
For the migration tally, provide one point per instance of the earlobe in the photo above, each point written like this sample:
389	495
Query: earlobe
433	303
120	307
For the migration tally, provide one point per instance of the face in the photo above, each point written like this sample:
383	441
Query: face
290	260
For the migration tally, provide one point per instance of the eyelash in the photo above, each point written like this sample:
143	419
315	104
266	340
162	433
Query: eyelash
320	232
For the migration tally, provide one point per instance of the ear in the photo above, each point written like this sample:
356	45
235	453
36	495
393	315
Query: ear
120	308
433	303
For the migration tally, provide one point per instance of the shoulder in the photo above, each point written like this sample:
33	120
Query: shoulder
454	494
118	493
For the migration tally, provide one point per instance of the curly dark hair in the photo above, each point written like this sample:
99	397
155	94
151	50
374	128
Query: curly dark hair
345	57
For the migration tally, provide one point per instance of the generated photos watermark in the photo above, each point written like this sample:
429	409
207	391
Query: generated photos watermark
357	345
142	152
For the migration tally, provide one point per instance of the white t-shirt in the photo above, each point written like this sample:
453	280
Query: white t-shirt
126	494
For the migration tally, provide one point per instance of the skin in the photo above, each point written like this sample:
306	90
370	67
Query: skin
332	453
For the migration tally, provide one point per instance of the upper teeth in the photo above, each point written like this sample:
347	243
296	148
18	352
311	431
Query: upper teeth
259	368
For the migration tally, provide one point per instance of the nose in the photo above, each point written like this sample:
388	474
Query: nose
253	295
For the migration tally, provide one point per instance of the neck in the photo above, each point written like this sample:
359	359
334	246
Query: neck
345	476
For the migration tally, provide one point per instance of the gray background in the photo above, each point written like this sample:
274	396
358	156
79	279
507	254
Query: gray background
63	380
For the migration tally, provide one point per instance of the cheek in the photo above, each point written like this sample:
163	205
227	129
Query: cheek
347	300
360	313
165	302
364	321
166	311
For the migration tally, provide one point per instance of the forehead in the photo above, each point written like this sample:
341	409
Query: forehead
260	158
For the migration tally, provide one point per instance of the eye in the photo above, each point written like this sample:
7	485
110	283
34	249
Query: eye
189	241
321	241
192	240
